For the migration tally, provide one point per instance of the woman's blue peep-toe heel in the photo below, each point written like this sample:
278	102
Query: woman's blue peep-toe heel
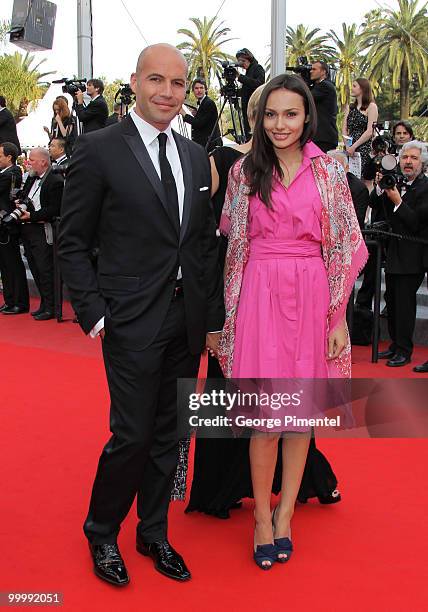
264	553
283	546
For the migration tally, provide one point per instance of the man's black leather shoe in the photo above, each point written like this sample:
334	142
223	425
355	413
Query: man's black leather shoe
386	354
421	368
34	313
397	361
167	560
108	564
14	310
44	316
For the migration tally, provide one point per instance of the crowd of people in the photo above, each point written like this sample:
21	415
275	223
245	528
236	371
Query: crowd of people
261	279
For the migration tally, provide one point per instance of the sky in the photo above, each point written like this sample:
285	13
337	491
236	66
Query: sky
117	41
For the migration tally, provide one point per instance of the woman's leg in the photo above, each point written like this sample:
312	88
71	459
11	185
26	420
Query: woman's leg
263	455
294	453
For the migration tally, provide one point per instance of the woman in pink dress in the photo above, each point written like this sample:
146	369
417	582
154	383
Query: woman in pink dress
294	252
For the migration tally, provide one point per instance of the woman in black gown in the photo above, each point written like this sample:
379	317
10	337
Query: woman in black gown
221	476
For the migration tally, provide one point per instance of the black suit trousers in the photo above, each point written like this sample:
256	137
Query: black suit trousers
14	278
401	302
39	255
141	455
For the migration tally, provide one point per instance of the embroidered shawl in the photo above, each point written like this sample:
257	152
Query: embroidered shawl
343	251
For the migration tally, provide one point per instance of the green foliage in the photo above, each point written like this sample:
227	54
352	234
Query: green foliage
203	49
304	42
21	82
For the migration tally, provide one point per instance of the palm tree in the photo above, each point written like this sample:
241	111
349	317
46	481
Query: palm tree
303	42
397	41
20	81
348	59
203	50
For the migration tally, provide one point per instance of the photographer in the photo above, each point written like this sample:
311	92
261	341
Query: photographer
254	77
406	210
44	189
402	132
116	116
14	279
94	115
205	119
325	98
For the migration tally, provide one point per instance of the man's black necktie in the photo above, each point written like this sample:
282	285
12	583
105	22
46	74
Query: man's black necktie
168	182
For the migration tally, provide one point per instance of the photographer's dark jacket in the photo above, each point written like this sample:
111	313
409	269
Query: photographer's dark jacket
8	128
94	115
50	197
253	78
6	184
411	218
203	123
324	95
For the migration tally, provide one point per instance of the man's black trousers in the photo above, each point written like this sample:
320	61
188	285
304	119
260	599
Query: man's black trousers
14	278
401	292
141	455
39	255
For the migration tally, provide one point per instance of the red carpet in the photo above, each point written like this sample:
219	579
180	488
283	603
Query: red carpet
367	552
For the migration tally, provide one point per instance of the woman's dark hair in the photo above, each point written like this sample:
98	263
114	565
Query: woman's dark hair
261	163
367	94
406	125
3	101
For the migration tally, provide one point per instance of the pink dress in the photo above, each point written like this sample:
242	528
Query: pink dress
281	326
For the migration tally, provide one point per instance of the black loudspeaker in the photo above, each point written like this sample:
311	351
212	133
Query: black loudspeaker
33	24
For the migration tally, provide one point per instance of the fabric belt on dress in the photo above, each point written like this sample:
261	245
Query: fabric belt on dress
267	248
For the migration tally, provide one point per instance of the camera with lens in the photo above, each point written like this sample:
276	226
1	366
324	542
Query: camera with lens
25	204
302	68
72	86
383	140
391	175
230	74
60	169
125	95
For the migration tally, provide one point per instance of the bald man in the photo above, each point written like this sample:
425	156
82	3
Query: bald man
143	191
45	191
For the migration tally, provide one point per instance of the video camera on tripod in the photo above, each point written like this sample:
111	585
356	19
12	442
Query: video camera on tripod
230	91
125	96
72	86
303	69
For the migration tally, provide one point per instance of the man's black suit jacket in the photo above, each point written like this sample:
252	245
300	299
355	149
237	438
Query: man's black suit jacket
51	192
5	186
113	195
203	123
360	197
411	218
325	98
8	128
94	115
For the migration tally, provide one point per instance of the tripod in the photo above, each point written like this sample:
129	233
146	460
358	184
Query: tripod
230	93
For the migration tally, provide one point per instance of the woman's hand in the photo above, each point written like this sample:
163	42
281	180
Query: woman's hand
337	340
350	151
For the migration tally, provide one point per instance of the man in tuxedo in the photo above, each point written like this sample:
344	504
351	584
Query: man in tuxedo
44	189
57	151
12	269
407	214
7	125
94	115
324	94
144	191
205	119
